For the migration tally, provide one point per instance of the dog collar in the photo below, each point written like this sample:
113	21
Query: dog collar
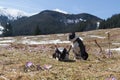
73	40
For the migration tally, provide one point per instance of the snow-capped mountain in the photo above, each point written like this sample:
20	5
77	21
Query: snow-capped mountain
12	14
49	22
61	11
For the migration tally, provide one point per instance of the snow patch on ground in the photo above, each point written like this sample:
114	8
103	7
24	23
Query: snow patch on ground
7	41
44	42
116	43
4	45
116	49
60	34
97	36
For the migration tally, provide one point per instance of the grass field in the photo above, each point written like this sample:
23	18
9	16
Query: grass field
16	51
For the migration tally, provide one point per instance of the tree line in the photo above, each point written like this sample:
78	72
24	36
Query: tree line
113	22
8	30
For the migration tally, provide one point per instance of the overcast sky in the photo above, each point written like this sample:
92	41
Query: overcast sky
101	8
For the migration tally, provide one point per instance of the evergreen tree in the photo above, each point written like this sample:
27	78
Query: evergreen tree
7	30
102	25
37	30
82	26
112	22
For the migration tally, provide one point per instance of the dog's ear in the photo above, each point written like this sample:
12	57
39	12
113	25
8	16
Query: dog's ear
54	55
56	46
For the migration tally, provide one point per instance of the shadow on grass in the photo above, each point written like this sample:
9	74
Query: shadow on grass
68	60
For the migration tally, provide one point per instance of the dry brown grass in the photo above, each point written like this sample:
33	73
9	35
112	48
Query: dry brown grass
97	67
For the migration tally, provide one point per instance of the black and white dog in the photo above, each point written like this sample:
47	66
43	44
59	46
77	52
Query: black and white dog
61	53
78	47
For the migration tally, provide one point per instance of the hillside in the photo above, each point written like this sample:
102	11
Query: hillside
112	22
46	22
49	22
16	51
9	14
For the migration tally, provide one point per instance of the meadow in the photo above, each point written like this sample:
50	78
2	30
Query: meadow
101	64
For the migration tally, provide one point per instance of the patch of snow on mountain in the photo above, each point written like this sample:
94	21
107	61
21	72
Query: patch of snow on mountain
72	21
82	20
1	29
77	21
61	11
69	21
98	24
12	14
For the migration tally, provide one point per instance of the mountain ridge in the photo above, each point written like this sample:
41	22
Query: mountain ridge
49	22
13	14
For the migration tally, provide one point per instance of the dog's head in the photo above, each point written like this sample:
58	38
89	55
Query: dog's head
56	54
71	36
